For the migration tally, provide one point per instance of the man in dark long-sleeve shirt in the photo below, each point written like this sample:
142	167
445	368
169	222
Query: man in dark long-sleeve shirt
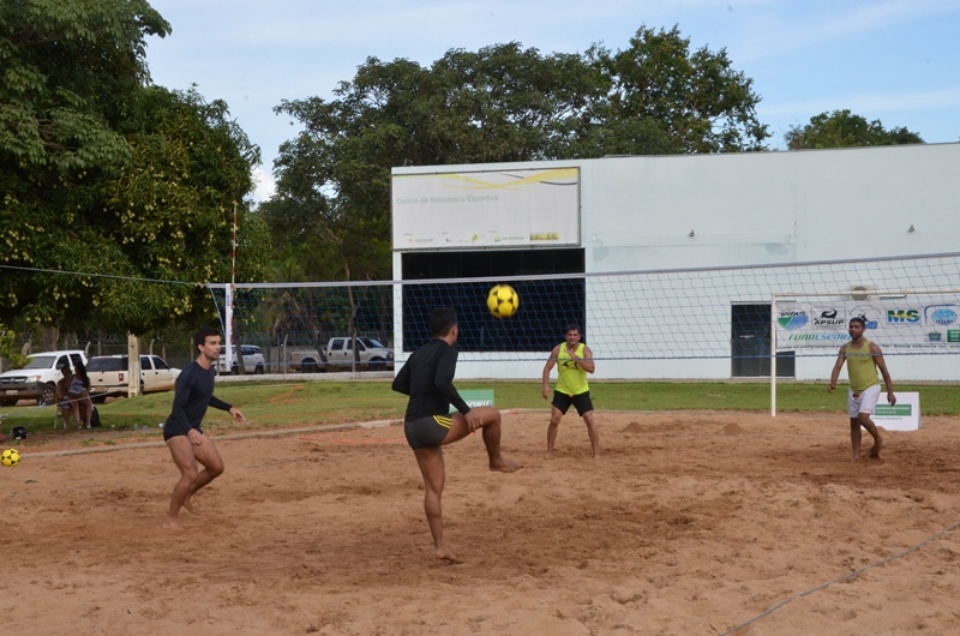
427	377
182	431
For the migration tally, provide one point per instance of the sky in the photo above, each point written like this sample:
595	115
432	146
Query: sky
896	61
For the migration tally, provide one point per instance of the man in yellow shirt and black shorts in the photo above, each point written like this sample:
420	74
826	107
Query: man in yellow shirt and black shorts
574	361
863	359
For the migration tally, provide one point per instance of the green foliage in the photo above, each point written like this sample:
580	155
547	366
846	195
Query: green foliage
134	186
842	129
502	103
10	348
666	99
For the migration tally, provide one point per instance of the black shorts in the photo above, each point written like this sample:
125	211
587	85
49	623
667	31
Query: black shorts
427	431
172	430
581	401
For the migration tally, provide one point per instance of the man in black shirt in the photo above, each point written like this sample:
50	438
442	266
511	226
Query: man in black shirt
427	377
185	438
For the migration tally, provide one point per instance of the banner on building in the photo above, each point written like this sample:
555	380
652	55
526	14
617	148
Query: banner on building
502	209
893	323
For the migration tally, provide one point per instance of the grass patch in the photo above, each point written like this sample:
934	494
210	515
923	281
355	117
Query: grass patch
277	405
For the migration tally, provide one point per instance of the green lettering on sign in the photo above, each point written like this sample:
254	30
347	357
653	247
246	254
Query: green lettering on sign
896	410
476	397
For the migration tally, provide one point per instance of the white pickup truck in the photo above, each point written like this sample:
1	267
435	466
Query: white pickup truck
339	356
370	353
110	376
38	380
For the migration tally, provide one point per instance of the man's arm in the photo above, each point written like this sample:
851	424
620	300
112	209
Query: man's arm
401	383
443	380
586	362
551	362
234	412
183	387
882	365
841	358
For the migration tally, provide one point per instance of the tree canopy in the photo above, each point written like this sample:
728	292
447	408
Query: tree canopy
501	103
105	174
843	129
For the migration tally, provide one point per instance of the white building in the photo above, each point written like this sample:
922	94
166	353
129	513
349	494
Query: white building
738	222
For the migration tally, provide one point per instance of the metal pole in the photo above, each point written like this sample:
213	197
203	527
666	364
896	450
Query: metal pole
228	327
773	356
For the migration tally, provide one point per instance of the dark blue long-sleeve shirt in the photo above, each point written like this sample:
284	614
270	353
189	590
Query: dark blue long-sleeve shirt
427	377
194	393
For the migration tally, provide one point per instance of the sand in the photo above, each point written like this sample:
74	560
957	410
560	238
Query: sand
688	523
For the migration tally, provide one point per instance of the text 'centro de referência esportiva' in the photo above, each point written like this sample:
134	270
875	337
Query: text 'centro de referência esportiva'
469	198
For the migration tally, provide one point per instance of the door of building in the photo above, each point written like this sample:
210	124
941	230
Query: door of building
750	342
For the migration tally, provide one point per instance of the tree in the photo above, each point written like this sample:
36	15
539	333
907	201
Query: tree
842	129
107	175
665	99
502	103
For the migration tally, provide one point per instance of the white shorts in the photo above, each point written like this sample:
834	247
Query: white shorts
865	402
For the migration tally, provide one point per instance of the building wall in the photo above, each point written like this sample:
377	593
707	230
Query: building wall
716	211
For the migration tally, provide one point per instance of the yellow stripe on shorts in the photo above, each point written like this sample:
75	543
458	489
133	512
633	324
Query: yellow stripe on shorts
445	422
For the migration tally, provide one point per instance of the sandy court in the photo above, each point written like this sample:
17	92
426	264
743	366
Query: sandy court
689	523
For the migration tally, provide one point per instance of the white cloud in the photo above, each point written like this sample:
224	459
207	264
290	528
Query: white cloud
266	185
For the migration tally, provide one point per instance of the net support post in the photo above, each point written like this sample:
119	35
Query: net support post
228	325
773	356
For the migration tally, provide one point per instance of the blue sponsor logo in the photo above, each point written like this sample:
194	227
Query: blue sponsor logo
791	320
942	315
869	313
903	316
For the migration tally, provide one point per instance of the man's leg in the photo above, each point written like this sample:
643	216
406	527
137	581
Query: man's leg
490	422
430	461
209	457
855	437
867	423
555	416
592	432
186	455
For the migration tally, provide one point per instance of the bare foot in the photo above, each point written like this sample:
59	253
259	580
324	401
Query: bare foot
191	508
173	524
875	451
505	466
447	558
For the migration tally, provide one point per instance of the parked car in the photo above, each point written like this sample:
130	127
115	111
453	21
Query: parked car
38	379
307	360
339	356
109	375
253	360
370	353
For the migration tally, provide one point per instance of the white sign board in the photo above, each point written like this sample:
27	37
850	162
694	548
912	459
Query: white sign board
908	323
903	416
508	208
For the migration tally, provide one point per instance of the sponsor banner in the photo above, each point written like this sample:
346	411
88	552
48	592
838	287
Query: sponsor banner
903	416
511	208
475	397
892	323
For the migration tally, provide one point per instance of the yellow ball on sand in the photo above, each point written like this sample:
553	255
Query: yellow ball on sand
10	457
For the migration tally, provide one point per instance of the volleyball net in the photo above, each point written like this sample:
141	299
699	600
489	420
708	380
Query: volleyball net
680	323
